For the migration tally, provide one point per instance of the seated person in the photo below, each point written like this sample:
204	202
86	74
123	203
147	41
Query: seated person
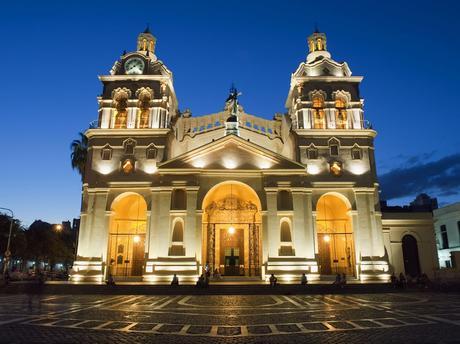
303	279
273	280
175	280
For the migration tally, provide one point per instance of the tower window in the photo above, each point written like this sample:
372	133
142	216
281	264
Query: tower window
129	146
151	153
444	238
106	153
334	150
356	153
312	153
334	147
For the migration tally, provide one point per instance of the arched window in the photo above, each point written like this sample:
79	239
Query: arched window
145	97
318	112
285	232
284	200
341	120
179	199
144	44
178	232
120	102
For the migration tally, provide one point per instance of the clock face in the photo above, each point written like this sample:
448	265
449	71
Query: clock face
134	65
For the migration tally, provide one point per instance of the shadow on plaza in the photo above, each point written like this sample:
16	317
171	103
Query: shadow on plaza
213	289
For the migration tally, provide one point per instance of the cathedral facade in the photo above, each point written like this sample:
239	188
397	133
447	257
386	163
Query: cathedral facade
235	194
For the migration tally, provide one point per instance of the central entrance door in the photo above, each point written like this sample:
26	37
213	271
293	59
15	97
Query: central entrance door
232	252
232	261
232	230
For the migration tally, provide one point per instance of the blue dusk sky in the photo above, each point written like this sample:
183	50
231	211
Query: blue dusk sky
52	53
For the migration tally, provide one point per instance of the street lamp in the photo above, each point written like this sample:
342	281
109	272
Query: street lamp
58	227
8	252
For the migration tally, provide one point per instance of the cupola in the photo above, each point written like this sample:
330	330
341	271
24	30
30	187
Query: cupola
317	45
146	42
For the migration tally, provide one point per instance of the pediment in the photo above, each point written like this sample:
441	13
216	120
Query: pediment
231	153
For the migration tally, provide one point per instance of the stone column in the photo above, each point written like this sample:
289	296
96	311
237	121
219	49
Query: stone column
356	236
164	224
315	231
310	227
190	237
98	226
273	238
154	234
371	236
298	222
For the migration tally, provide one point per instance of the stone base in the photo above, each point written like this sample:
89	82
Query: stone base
376	270
162	270
87	270
290	269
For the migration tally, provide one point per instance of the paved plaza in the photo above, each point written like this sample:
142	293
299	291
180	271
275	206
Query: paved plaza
357	318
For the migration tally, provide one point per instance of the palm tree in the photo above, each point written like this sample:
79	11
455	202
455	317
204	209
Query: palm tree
79	154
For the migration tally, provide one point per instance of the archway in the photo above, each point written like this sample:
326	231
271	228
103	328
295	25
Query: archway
127	235
335	235
410	256
232	230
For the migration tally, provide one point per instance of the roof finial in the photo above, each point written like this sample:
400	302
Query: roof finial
316	28
147	29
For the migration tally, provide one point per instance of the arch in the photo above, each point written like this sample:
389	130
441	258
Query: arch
178	230
285	230
127	230
145	96
120	103
318	113
410	255
231	229
335	234
341	115
177	238
254	197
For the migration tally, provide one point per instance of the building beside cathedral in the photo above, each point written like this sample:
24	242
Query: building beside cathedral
169	193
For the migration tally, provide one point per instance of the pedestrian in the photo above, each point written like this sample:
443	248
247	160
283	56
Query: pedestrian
303	279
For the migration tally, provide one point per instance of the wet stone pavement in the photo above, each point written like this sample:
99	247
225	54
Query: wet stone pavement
357	318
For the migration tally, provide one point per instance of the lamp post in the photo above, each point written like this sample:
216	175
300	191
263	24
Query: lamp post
8	252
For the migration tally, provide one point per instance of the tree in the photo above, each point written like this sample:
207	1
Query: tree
18	244
45	244
79	154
